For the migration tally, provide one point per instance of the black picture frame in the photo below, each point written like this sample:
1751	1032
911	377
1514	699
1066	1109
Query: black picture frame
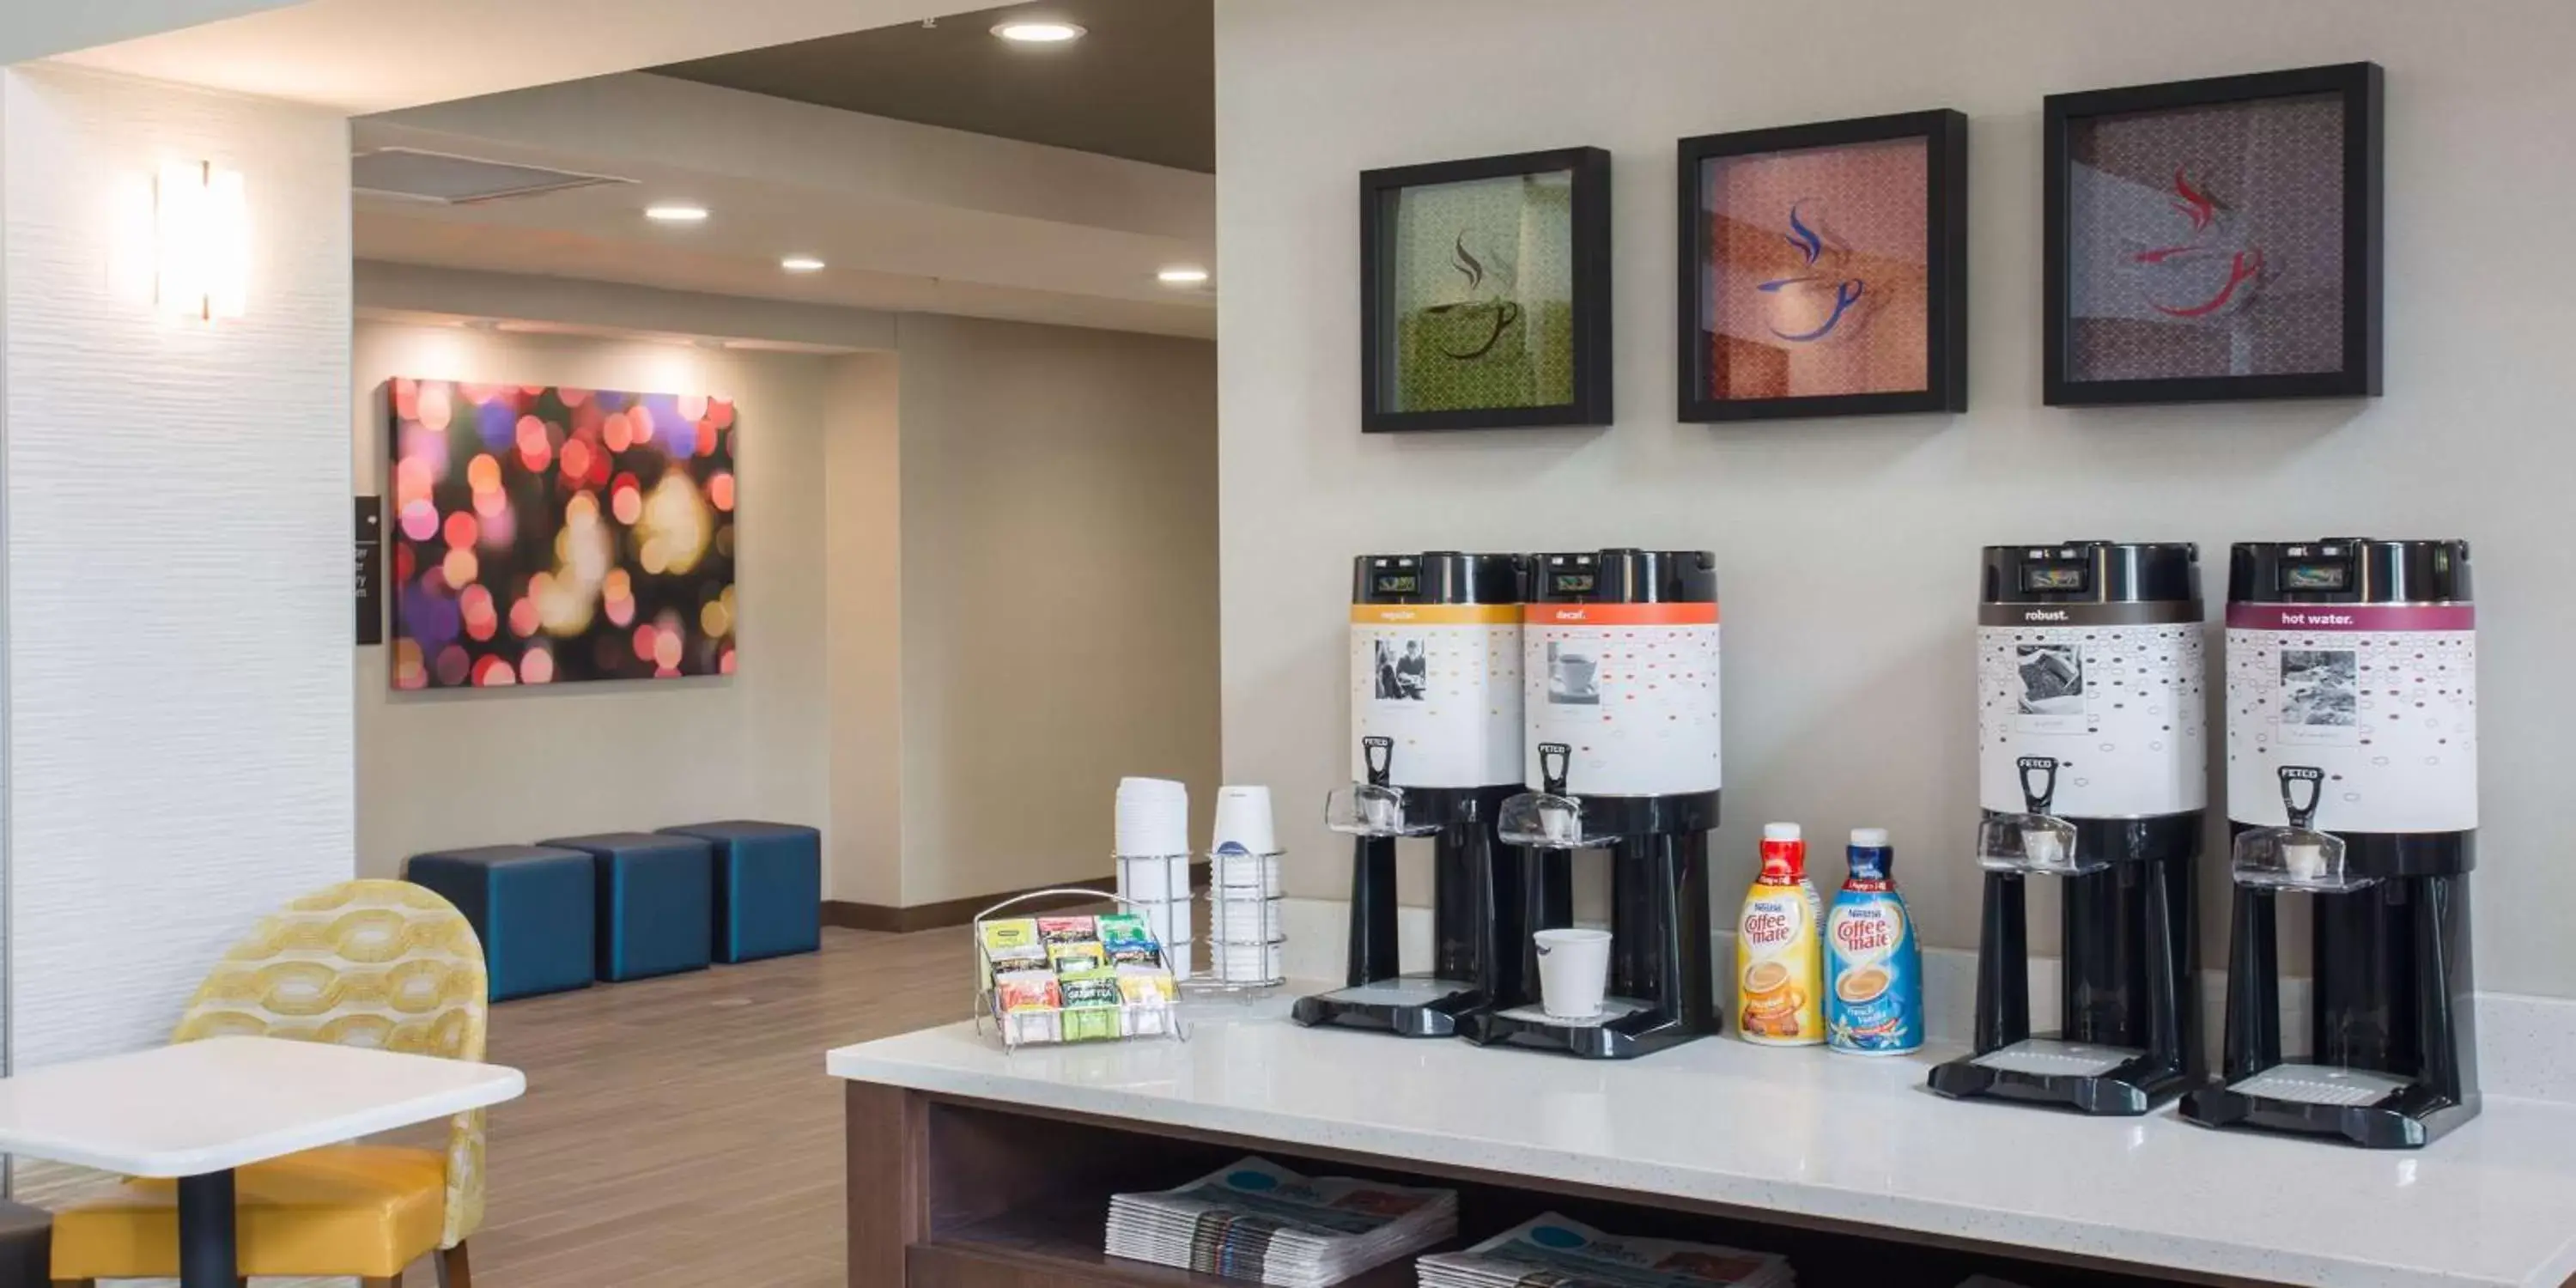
1945	133
2359	85
1590	321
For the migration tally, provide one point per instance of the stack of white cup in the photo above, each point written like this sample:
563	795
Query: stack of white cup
1153	847
1243	890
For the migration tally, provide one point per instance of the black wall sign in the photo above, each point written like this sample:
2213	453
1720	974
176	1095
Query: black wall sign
371	570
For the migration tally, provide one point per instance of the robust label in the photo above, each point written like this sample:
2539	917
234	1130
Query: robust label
1631	688
2110	695
1779	967
1443	681
2380	699
1873	975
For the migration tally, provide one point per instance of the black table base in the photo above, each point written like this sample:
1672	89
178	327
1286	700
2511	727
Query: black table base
207	1254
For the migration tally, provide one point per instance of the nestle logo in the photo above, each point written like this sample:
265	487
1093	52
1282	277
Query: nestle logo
2044	615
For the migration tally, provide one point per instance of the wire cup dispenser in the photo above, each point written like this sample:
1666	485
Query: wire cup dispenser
1020	1026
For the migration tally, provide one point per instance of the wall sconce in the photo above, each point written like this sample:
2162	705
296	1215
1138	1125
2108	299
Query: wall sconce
201	241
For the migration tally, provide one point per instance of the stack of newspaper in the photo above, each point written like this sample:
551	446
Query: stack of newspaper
1260	1222
1552	1252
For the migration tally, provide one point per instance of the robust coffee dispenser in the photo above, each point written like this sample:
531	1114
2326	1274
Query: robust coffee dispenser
2092	769
1620	656
1436	723
2352	777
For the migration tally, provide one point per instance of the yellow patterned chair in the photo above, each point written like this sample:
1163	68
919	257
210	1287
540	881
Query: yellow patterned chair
364	963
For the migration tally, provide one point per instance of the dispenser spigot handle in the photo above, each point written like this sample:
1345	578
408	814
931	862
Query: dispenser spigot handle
1379	752
2039	796
2302	816
1553	759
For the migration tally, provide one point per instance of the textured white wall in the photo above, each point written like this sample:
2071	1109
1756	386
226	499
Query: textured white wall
478	767
1847	548
1059	593
177	544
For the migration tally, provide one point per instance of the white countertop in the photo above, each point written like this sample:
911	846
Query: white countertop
207	1106
1812	1133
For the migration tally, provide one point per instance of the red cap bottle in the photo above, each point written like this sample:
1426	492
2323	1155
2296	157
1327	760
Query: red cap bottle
1784	854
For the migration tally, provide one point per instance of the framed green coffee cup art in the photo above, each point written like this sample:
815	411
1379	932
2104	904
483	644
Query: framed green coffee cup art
1486	293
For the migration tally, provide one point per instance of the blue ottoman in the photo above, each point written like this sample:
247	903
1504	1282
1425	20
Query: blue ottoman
769	888
530	904
653	897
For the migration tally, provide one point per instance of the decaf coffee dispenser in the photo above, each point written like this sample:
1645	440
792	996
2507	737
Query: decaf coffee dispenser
1436	731
2092	769
2352	777
1621	672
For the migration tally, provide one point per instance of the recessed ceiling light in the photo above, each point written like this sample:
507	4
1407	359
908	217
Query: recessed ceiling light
1038	33
1182	275
801	264
676	213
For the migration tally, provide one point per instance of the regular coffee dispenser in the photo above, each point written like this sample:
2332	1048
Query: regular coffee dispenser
2092	771
1620	667
1435	703
2352	779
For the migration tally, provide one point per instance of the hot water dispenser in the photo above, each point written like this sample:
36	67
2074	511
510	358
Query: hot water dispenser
2092	769
1620	668
1436	728
2352	777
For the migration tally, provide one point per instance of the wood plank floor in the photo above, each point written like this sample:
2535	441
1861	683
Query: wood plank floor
678	1132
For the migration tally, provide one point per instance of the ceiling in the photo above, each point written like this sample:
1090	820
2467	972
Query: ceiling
1141	85
908	218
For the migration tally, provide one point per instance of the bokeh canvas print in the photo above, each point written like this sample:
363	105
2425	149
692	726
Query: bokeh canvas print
1823	269
545	535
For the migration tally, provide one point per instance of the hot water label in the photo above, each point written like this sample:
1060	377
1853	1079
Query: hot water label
1631	688
1444	682
2112	693
2380	699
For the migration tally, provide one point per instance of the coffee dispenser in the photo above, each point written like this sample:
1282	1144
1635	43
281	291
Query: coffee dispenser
1436	728
1620	654
2352	777
2091	769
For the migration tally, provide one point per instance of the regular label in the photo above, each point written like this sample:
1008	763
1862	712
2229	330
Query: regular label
1444	682
1779	968
1632	689
2118	705
1874	989
2381	700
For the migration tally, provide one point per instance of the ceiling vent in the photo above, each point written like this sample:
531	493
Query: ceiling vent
448	180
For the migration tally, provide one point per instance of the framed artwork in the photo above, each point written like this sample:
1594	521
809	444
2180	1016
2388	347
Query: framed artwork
544	535
1824	269
1486	293
2215	239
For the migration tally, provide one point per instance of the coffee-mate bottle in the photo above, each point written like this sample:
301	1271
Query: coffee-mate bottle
1779	948
1874	967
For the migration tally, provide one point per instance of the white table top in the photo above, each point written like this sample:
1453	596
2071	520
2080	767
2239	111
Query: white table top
1812	1133
206	1106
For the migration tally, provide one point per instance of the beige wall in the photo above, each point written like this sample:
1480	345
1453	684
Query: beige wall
862	527
470	767
1059	593
1848	694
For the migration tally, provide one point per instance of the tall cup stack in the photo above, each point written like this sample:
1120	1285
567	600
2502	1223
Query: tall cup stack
1247	940
1153	849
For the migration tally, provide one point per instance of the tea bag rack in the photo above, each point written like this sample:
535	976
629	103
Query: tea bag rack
1045	1025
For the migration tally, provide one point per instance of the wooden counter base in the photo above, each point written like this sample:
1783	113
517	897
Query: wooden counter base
951	1192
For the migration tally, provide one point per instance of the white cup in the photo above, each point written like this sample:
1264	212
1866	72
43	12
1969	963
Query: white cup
1243	818
1155	879
1168	920
1573	970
